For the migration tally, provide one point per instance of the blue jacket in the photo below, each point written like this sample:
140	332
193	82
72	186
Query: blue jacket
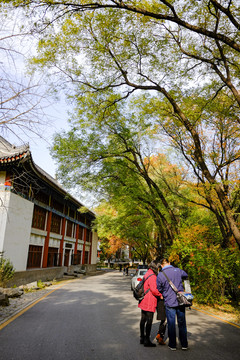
174	274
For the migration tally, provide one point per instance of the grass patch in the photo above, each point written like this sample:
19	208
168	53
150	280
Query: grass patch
229	312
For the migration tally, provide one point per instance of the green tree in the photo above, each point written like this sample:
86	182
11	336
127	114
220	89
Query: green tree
115	161
213	271
134	227
176	62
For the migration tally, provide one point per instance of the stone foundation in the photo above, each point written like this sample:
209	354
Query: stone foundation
29	276
48	274
89	268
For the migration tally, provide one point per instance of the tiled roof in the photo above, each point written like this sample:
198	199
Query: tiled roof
10	153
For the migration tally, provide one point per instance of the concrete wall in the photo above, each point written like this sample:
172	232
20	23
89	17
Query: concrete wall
89	268
4	200
28	276
48	274
15	228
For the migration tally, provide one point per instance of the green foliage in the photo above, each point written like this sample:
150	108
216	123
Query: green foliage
213	271
6	271
147	76
40	284
160	65
134	227
128	70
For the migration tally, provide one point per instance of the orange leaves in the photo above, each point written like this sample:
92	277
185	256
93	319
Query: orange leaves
115	244
193	234
174	258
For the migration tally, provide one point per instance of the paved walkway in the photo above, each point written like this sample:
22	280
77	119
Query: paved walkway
18	304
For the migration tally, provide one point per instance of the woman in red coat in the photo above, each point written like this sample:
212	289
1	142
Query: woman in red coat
148	304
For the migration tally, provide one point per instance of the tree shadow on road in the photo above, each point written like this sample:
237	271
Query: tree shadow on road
97	318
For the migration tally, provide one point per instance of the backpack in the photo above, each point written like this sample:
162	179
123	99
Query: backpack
138	292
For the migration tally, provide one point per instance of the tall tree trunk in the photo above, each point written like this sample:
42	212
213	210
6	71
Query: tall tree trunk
228	213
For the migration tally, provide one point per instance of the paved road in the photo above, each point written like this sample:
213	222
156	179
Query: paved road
96	318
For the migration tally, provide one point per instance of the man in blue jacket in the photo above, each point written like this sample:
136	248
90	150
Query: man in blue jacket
176	275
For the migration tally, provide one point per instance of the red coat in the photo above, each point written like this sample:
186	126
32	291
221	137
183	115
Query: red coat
149	302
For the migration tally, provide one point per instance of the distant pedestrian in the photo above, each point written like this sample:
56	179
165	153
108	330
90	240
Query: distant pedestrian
172	308
127	267
148	304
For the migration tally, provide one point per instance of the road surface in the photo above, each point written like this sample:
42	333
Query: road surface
97	318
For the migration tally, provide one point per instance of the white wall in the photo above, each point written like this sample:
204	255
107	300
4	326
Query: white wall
4	199
15	228
94	248
3	212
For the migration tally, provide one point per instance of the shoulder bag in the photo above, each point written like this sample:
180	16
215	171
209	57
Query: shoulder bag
183	298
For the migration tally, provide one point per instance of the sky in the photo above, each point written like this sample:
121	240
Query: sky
14	54
40	146
14	70
15	50
56	117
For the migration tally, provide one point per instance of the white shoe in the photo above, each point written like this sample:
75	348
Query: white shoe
173	349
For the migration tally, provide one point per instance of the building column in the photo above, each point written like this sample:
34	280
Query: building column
61	243
45	250
76	243
84	244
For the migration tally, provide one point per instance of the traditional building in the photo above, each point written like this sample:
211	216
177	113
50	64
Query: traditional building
41	225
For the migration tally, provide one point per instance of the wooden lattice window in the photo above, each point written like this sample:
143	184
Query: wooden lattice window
39	218
34	256
56	224
66	257
80	233
86	257
76	258
52	257
69	228
71	213
89	237
79	256
81	218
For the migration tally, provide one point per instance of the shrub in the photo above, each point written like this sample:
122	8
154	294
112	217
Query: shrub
40	284
6	271
213	271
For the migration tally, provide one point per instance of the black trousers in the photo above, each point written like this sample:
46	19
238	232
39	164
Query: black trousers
162	328
161	315
146	323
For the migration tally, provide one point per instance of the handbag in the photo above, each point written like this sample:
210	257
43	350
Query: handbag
183	298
